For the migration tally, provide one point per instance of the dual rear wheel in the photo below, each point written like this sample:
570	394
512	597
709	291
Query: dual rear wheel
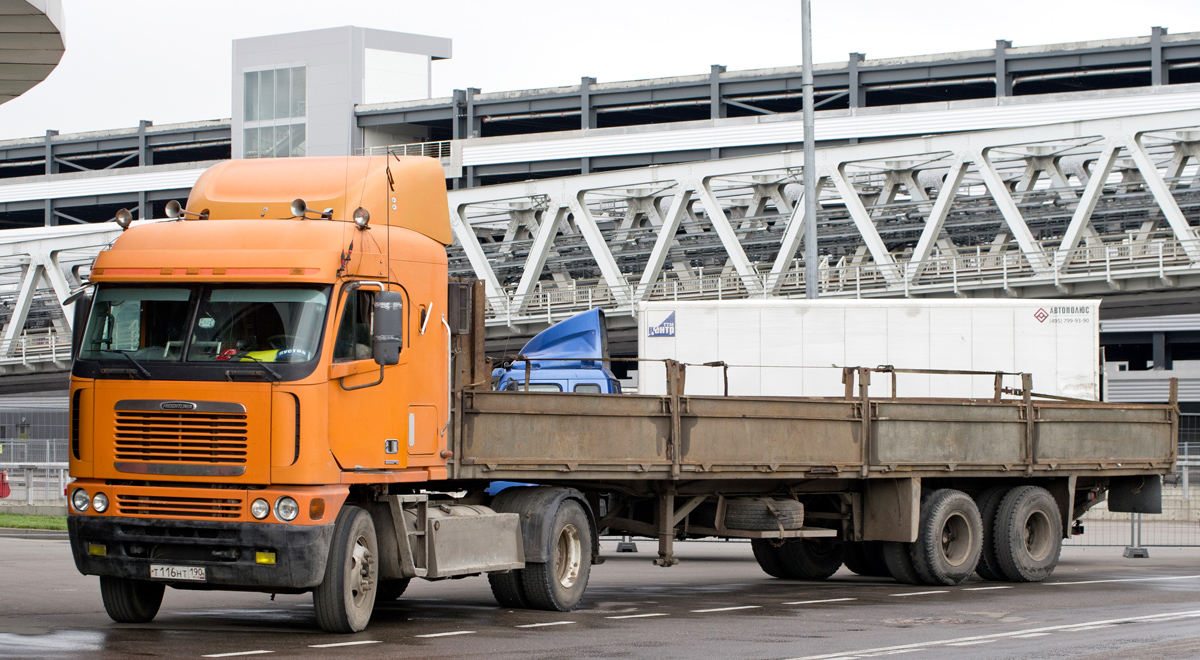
1011	534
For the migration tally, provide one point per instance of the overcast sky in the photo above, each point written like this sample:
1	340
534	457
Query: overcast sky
170	61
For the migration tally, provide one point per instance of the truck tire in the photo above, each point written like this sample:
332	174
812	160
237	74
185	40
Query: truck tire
508	589
866	558
558	584
989	503
131	601
752	514
898	558
767	556
814	559
346	596
949	538
389	590
1028	534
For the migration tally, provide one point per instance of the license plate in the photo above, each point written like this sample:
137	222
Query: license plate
189	573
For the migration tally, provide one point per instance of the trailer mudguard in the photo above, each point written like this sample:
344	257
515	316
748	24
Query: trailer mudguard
1135	494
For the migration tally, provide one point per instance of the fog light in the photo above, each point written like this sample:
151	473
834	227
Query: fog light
97	549
316	508
286	509
264	558
80	500
259	508
100	502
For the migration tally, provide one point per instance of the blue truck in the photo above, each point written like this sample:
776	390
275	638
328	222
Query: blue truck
569	356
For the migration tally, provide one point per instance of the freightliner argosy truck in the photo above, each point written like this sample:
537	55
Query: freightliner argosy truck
282	391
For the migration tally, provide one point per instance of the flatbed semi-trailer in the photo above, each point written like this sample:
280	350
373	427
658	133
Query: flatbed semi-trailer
266	397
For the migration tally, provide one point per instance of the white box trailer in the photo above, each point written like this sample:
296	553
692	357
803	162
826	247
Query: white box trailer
788	347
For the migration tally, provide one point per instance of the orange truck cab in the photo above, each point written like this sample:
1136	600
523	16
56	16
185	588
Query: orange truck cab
246	372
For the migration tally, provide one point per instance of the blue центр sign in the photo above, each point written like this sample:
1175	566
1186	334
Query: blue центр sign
664	329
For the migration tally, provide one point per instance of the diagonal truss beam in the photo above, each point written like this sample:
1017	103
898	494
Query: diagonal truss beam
720	223
1012	214
1162	194
937	217
1087	202
793	236
662	244
864	223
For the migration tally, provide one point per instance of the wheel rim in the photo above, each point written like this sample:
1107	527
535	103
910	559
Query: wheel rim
1038	539
956	540
569	556
360	572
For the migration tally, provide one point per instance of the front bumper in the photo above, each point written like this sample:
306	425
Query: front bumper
226	549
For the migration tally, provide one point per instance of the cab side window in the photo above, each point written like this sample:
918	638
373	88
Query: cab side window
354	334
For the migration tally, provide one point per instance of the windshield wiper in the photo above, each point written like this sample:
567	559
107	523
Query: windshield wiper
242	354
141	370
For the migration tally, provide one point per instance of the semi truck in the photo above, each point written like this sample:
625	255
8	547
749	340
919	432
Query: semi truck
270	397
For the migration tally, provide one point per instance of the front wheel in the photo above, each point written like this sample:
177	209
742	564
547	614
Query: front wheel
558	584
346	596
130	601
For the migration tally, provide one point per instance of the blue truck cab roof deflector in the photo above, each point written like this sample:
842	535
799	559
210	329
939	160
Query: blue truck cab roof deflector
571	350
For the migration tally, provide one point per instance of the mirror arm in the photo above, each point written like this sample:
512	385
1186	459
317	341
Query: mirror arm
342	382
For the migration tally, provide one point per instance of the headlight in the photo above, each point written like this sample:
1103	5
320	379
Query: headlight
259	508
100	502
80	500
286	509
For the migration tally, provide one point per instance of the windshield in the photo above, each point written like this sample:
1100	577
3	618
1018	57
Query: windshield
207	324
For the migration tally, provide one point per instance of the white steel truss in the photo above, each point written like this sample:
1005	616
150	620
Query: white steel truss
1071	208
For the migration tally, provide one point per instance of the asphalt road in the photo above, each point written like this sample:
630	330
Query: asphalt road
717	603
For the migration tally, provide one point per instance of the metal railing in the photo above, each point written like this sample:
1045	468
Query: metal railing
439	150
1109	259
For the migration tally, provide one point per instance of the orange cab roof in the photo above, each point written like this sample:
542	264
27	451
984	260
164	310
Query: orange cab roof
249	189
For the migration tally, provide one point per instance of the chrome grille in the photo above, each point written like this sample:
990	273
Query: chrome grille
180	436
186	507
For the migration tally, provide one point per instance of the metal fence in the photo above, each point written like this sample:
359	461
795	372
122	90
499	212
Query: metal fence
35	483
1177	525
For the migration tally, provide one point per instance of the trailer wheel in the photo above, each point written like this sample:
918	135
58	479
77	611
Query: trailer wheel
558	584
508	589
389	590
768	559
949	538
989	503
1028	534
866	558
898	558
130	601
346	596
814	559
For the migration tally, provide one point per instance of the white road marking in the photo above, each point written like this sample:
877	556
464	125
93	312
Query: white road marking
922	593
542	625
1106	625
978	641
1147	579
637	616
730	609
448	634
825	600
1031	635
987	588
335	644
1046	630
230	655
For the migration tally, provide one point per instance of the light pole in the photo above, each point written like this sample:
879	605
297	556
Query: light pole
811	272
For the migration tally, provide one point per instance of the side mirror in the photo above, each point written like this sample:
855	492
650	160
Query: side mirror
389	327
83	309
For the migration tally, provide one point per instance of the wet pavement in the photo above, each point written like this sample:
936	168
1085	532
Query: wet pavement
716	603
